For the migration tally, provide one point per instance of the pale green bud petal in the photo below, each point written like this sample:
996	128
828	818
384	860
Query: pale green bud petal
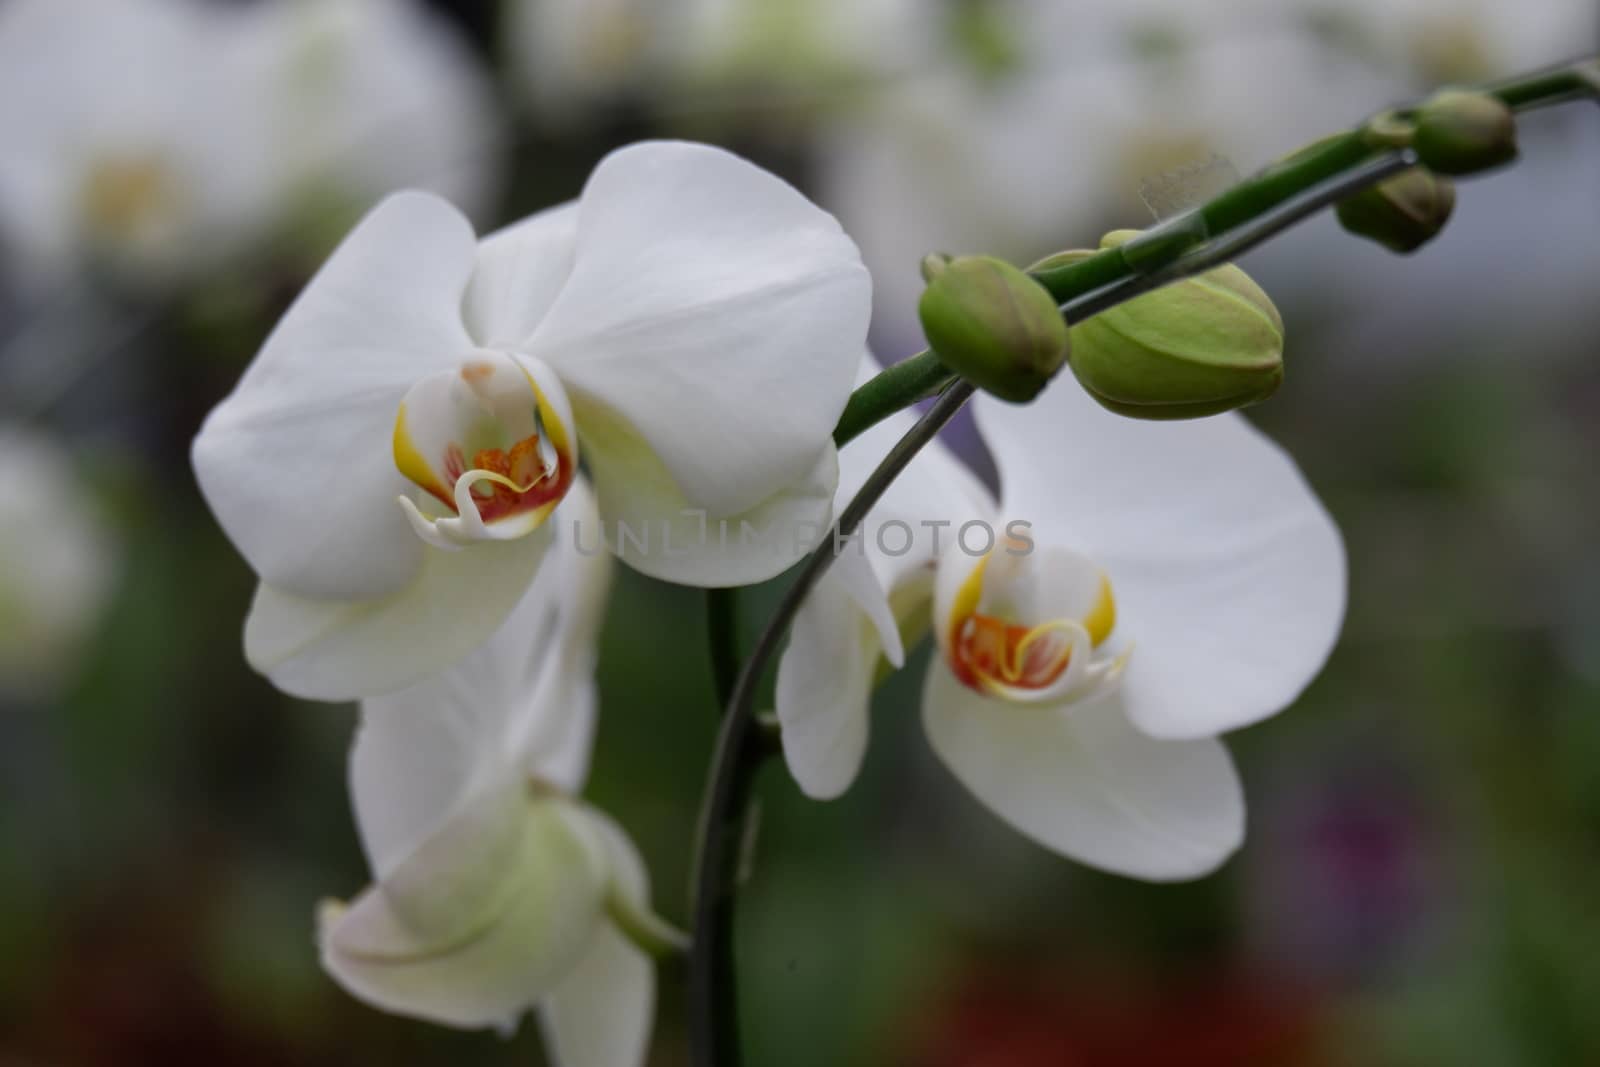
1200	346
993	325
1460	132
1403	213
1389	129
933	265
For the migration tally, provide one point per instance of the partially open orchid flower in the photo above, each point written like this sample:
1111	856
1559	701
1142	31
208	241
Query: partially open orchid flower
389	462
497	890
1143	588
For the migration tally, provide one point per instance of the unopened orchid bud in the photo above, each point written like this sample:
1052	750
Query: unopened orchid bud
933	265
1460	132
1403	213
993	325
1200	346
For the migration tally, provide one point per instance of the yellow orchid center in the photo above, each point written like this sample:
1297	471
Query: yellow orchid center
490	443
993	652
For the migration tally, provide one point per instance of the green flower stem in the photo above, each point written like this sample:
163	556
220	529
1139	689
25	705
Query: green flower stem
713	992
722	632
1280	181
1239	219
1556	86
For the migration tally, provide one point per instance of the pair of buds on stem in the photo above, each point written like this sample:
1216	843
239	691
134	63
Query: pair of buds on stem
1453	133
1203	345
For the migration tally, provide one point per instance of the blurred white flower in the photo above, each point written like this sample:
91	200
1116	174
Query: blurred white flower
807	43
388	462
57	561
1167	582
570	55
1045	35
1015	169
1427	42
497	890
157	138
129	142
1455	41
363	97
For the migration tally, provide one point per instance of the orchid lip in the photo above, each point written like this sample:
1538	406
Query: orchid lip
490	444
993	652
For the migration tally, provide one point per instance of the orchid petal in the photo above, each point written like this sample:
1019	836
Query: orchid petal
827	673
1229	574
600	1014
716	311
654	528
296	462
1083	782
343	650
520	270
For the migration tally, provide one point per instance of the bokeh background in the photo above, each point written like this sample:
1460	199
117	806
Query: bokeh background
1421	883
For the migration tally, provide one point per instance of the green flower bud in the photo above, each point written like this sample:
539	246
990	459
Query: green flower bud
993	325
1403	213
1460	132
1204	345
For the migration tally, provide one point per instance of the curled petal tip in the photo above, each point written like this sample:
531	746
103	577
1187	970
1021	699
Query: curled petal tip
429	530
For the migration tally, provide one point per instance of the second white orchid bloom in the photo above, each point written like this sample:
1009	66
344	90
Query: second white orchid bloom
1144	588
497	890
388	462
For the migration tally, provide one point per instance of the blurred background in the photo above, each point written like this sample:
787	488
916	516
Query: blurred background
1421	882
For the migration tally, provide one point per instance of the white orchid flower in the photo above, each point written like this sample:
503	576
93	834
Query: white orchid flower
1170	581
388	462
496	890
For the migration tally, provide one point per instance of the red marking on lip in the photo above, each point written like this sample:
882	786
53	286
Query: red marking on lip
521	464
986	648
